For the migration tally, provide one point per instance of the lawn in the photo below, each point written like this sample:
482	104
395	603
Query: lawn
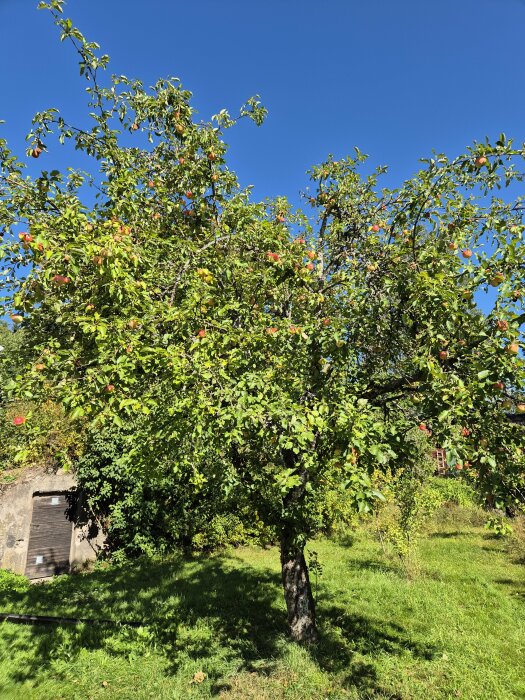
456	630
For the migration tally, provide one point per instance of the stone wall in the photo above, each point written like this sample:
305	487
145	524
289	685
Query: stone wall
16	506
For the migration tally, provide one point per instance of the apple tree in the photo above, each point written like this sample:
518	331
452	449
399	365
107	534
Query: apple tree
276	354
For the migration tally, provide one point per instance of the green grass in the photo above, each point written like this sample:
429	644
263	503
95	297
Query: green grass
456	630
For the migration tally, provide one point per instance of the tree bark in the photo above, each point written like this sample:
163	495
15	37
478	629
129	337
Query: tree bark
297	590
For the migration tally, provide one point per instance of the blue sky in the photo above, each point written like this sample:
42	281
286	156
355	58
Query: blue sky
396	79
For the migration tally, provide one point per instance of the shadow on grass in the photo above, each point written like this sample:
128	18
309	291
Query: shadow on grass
193	608
452	535
518	589
375	565
346	635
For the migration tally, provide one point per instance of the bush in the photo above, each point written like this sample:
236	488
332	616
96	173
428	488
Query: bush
10	582
228	529
454	491
151	511
499	526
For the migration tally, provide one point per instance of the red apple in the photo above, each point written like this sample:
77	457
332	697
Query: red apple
134	126
513	348
36	152
202	333
16	318
310	255
443	354
189	194
466	253
151	184
375	228
212	156
502	325
326	321
19	420
214	177
498	386
465	432
60	279
272	331
39	367
109	388
310	266
452	246
480	161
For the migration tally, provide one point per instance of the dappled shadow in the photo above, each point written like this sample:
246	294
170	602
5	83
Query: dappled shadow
241	607
375	565
346	636
355	633
452	535
168	597
517	586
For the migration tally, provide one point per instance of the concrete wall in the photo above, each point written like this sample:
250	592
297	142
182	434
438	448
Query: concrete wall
16	506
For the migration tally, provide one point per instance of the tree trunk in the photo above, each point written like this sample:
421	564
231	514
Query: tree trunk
297	590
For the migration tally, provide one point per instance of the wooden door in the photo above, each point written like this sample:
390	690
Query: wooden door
49	537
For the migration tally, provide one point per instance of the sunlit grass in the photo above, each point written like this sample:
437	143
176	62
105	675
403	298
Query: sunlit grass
455	630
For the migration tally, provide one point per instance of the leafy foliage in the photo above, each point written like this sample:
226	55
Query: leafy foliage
148	511
52	440
499	526
265	352
455	491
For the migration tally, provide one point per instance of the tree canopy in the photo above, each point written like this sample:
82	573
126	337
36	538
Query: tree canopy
273	351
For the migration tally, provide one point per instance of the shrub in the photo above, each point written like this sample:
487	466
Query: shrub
454	491
499	526
152	511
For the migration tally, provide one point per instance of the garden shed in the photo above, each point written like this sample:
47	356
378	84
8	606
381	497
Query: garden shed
42	528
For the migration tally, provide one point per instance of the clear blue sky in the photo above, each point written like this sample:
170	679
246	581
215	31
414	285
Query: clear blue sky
395	78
